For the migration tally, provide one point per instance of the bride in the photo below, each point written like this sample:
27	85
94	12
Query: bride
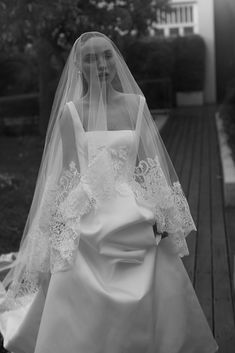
90	275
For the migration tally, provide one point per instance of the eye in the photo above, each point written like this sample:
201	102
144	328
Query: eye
108	54
89	58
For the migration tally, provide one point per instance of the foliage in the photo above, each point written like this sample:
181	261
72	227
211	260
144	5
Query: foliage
17	74
227	112
229	98
52	26
24	104
17	155
182	59
164	65
150	58
62	21
189	70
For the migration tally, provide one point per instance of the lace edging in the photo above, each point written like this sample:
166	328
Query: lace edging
54	238
168	203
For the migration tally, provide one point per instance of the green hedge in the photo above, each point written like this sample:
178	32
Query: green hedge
19	105
19	114
181	59
150	58
189	69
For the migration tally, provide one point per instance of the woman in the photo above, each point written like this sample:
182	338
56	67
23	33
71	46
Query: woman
90	275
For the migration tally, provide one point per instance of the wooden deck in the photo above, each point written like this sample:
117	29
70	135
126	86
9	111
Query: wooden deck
191	140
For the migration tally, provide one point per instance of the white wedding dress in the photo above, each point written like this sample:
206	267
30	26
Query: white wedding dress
128	292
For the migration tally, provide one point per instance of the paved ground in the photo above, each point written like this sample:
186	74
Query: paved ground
191	139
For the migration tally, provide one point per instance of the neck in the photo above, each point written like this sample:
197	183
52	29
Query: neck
106	90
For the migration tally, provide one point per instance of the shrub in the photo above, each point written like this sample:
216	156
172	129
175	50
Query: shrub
18	74
24	105
19	114
189	70
151	61
150	58
173	63
158	92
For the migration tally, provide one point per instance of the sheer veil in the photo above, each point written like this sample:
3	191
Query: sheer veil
96	93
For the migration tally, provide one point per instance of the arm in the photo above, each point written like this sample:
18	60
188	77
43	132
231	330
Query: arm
67	138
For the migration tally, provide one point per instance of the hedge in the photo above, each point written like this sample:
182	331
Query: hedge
189	69
22	104
150	58
182	59
159	65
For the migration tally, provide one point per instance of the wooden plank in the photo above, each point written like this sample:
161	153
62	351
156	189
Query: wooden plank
224	328
168	131
179	151
193	195
230	230
174	144
189	146
203	272
194	153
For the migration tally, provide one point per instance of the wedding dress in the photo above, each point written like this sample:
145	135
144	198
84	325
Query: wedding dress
127	292
91	276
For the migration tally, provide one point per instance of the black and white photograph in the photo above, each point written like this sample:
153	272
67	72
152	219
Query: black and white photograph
117	176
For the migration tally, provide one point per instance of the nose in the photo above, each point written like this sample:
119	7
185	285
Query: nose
101	63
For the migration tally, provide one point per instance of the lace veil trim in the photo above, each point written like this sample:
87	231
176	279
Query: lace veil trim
54	238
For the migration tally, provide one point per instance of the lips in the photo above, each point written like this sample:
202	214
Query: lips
103	74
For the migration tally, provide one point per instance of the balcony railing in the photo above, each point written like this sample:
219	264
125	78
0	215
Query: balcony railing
181	20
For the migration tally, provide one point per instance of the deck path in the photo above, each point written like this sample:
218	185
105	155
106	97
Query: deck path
191	140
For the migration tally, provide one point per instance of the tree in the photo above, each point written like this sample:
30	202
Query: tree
52	26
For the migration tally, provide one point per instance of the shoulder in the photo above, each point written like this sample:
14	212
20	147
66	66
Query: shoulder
65	117
132	101
132	97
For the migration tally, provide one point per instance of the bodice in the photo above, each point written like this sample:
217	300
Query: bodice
120	146
114	148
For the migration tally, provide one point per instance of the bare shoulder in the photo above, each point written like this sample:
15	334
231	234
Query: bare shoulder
65	117
131	98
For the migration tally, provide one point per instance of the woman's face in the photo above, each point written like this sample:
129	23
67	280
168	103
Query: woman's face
98	60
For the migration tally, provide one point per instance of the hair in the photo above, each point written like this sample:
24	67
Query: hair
88	35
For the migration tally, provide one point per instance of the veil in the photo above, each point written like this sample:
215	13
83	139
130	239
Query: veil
96	93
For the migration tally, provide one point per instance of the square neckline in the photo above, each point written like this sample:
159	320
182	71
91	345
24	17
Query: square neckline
74	109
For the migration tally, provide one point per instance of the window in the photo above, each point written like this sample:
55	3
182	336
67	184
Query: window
188	31
174	32
181	20
159	32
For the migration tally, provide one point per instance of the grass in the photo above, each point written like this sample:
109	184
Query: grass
19	162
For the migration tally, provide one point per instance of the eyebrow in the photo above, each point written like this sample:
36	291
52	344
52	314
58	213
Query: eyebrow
93	53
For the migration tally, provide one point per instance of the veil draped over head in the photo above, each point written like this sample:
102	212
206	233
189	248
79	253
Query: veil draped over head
96	93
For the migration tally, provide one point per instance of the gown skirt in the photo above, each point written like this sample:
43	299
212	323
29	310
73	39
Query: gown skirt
128	292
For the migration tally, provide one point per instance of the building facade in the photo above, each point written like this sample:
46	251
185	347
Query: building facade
189	17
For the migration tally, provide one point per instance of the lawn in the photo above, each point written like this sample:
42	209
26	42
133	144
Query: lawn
19	162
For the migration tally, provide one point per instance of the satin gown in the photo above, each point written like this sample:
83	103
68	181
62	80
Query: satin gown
127	292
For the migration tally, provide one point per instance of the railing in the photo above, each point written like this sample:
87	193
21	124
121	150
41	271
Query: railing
181	20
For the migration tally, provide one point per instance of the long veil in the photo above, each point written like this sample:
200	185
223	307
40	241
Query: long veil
96	92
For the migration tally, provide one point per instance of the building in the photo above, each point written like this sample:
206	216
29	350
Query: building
214	20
